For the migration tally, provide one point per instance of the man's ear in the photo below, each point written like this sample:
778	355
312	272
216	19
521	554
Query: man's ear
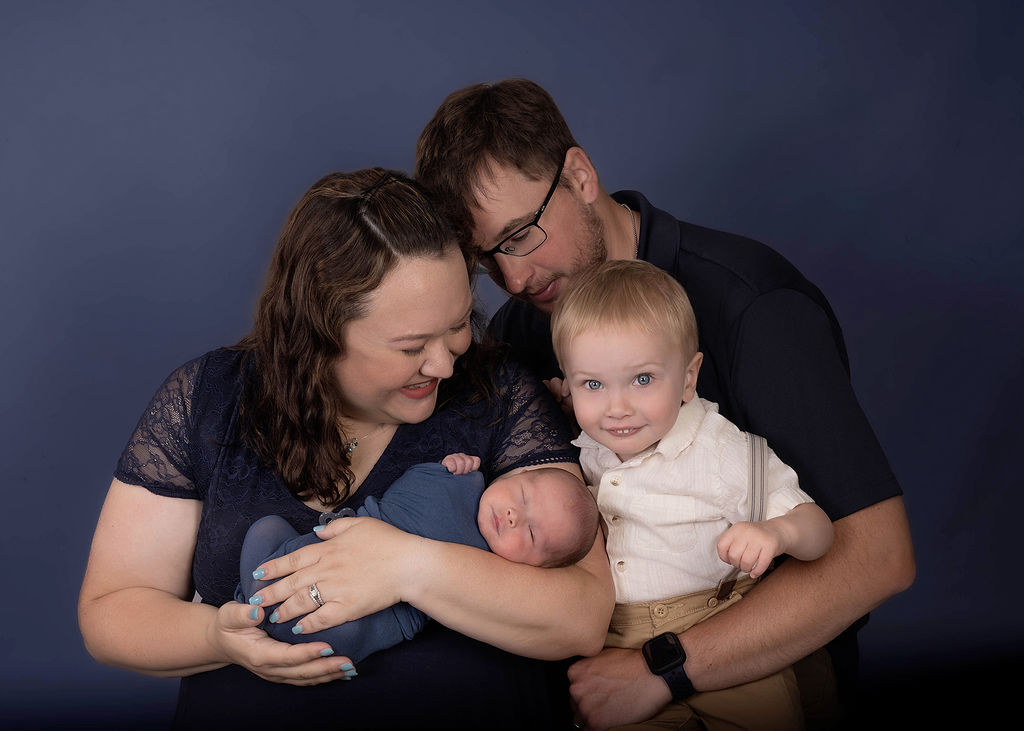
581	172
690	385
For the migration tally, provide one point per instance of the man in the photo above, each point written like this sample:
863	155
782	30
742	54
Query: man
774	361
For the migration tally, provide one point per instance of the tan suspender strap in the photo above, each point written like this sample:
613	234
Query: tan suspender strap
758	467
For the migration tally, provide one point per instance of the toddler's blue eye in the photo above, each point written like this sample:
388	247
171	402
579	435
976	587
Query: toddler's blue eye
592	385
643	379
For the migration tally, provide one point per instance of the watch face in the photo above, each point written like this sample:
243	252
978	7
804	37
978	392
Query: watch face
663	653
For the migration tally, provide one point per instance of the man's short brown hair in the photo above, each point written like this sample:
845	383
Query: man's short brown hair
513	123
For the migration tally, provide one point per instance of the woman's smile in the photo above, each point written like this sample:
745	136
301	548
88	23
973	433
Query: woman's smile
422	389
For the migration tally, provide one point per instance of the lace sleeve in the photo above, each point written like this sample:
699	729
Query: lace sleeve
533	430
157	455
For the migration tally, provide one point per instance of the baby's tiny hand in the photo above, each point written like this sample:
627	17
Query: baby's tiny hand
460	464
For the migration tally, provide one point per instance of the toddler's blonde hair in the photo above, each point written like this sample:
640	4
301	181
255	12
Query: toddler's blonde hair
625	294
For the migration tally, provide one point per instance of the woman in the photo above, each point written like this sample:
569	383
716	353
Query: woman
361	363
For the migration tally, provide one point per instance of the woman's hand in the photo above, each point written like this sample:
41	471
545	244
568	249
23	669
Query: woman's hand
235	634
135	607
361	567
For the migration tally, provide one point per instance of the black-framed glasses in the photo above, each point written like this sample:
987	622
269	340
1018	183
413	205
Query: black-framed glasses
525	239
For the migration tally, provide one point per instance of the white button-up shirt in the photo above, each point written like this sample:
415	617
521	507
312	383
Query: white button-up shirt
665	508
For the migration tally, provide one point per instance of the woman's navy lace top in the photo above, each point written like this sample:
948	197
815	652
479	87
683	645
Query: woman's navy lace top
187	445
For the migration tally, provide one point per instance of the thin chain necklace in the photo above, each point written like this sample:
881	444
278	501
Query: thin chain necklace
355	442
636	234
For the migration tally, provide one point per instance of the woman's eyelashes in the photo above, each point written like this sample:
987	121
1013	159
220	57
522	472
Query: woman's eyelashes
461	327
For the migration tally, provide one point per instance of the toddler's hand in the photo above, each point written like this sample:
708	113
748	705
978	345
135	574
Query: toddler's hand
750	547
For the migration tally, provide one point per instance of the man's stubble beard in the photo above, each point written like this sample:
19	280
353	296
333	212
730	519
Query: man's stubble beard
591	250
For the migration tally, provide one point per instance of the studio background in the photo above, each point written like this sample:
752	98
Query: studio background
150	152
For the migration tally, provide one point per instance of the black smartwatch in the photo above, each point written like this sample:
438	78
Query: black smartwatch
665	657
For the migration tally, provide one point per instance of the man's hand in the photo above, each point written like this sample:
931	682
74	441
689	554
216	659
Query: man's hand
614	688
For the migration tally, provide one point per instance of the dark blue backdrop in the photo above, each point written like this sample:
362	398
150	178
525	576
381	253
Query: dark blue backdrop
149	153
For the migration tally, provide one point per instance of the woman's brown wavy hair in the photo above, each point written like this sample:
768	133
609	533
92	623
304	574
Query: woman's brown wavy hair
345	234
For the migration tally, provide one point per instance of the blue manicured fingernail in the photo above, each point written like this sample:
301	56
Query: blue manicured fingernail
326	652
253	613
297	629
256	599
345	667
259	574
318	528
350	674
274	617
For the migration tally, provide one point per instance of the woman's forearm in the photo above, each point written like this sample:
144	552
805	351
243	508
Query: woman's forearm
149	631
542	613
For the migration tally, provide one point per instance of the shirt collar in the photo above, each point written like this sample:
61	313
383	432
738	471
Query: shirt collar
659	231
684	431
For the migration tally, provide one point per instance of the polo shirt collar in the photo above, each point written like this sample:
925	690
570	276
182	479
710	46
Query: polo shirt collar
659	231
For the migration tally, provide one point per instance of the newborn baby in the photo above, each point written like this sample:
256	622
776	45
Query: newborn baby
543	517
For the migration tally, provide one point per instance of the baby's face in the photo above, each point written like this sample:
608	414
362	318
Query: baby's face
525	517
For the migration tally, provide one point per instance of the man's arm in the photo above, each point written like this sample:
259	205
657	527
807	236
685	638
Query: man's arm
792	386
803	605
796	609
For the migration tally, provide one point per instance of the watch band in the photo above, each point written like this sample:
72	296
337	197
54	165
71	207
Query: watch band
679	684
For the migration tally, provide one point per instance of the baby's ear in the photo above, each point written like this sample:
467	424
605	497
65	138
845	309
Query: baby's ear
690	381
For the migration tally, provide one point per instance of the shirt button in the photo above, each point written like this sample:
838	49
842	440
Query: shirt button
713	602
620	565
660	610
615	519
615	481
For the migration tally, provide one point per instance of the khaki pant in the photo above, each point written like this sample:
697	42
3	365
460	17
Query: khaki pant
772	703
